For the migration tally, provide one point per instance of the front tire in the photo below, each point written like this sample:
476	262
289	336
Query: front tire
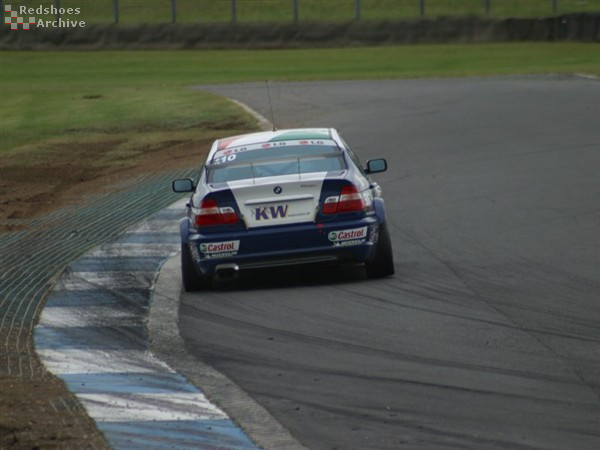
192	280
382	264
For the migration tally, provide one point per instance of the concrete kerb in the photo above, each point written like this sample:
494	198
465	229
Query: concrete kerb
167	344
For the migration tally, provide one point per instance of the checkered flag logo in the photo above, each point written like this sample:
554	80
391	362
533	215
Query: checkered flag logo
14	20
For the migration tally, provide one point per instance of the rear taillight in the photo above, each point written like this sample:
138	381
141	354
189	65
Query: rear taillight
349	200
210	214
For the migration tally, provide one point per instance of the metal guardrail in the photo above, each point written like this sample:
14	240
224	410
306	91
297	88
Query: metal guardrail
211	11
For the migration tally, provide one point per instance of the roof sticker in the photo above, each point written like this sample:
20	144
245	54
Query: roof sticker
272	144
301	135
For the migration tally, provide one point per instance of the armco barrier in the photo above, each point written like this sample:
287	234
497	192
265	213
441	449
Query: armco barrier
575	27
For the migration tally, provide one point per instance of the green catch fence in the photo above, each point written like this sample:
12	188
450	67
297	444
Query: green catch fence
134	12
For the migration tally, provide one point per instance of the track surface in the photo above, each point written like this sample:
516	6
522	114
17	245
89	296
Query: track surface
489	334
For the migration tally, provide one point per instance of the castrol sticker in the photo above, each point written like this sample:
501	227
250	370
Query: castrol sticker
354	236
219	249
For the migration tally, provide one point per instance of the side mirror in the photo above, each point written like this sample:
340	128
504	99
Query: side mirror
376	165
183	185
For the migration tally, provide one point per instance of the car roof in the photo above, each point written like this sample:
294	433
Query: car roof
263	137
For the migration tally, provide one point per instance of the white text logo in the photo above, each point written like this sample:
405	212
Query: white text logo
15	17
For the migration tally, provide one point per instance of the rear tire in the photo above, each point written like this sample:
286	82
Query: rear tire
192	280
382	264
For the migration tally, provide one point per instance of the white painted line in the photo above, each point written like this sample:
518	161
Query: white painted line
88	316
157	226
150	407
179	205
263	123
76	361
139	250
587	76
78	281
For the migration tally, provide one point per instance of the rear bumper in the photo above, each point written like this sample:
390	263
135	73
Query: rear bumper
347	241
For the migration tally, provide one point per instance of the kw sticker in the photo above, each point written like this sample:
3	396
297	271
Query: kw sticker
270	212
220	249
355	236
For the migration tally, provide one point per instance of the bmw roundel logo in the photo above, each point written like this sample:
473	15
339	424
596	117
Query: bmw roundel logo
277	190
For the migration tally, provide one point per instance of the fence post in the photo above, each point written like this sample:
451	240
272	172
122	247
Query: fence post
486	6
357	9
233	11
554	6
173	11
422	7
116	9
295	10
57	9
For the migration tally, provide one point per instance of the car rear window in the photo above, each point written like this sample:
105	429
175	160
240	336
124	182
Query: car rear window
273	160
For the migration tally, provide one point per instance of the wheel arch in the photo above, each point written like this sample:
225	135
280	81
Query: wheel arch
379	206
184	229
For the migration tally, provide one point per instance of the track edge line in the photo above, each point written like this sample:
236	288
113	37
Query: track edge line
167	344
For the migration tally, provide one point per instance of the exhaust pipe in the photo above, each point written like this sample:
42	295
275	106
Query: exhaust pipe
227	271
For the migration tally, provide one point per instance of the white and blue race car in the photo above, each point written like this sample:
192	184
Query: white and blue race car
282	198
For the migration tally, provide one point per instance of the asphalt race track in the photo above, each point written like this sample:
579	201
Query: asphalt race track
489	334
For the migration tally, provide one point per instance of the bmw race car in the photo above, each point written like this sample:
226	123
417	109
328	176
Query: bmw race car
282	198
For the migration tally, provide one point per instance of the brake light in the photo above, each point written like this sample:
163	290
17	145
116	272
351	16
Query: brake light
349	200
210	214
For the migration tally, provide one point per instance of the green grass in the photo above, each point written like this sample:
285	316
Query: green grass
205	11
63	97
73	111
